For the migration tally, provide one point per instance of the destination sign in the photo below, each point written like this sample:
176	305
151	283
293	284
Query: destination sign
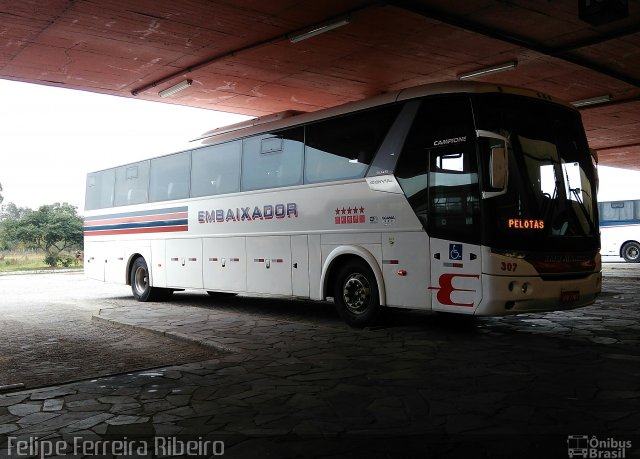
520	223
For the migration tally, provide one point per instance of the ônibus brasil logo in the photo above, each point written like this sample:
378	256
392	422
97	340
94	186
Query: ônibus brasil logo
593	447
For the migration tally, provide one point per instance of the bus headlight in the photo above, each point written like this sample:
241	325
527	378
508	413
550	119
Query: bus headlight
516	287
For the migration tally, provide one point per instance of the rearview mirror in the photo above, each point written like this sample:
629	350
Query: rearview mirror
498	167
497	164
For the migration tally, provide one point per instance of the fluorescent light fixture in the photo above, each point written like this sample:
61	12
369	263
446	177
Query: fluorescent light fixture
175	88
592	101
487	70
317	30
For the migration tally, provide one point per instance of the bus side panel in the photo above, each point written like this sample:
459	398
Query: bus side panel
158	266
613	237
184	263
105	261
115	264
224	264
269	265
94	260
300	265
405	266
315	267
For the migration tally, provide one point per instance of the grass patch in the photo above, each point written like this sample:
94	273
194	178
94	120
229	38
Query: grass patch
29	262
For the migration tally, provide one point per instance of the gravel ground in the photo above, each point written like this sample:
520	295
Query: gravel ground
47	338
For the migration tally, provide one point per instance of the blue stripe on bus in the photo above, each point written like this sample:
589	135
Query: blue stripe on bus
142	213
619	222
138	225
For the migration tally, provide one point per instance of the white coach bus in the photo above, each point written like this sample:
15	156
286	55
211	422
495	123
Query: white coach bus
620	229
454	197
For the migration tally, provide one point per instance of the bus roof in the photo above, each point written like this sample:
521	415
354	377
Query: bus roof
291	118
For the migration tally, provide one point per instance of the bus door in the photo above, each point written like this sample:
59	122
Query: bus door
453	223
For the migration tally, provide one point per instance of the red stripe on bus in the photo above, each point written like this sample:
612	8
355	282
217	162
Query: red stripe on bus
145	218
158	229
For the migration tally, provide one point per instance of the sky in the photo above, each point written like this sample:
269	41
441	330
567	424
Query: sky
50	138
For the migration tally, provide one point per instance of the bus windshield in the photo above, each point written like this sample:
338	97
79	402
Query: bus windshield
550	203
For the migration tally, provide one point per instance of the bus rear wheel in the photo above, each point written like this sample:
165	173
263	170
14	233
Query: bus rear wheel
631	252
356	294
141	287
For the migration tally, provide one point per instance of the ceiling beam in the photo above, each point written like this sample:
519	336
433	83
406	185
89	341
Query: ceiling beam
430	12
598	39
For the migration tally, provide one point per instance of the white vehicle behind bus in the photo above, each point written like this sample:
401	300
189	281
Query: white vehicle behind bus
455	197
620	229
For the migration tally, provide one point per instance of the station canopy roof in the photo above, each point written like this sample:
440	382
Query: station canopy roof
261	57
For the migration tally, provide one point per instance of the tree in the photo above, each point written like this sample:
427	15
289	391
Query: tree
53	228
1	197
8	214
11	211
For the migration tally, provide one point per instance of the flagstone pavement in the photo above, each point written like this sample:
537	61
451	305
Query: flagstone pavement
290	380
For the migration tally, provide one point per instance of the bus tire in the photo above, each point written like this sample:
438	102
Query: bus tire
140	286
356	294
631	252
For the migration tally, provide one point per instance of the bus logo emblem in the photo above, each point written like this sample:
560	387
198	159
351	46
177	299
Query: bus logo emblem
446	289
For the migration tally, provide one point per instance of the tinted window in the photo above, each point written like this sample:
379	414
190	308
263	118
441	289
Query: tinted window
169	177
132	181
551	176
216	169
454	193
272	160
438	169
99	193
342	148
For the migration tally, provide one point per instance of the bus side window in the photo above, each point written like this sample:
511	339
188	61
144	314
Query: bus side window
272	160
100	188
412	172
169	177
342	148
131	184
216	169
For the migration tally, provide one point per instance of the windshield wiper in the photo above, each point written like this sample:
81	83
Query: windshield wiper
576	193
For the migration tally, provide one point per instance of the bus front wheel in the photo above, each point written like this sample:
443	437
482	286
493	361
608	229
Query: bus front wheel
141	287
631	252
356	294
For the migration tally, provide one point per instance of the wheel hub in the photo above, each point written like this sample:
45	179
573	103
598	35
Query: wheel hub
356	293
141	280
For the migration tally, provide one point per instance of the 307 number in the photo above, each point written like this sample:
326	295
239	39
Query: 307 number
511	267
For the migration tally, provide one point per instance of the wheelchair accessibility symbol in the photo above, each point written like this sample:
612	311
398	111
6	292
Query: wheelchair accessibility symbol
455	251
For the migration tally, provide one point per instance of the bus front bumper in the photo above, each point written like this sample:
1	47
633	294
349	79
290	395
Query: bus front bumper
504	295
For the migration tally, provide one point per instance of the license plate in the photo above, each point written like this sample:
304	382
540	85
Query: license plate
570	296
